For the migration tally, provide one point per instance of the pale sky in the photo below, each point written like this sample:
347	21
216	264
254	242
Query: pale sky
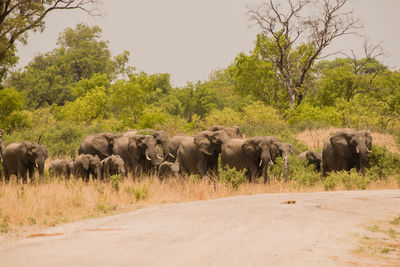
190	38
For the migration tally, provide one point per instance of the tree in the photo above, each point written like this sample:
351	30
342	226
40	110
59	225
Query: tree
18	17
293	40
49	78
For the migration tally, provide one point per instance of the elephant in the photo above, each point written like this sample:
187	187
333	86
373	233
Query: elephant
85	165
345	150
255	154
286	149
312	158
112	165
174	144
61	167
18	158
160	136
138	152
2	147
168	169
233	132
100	144
194	153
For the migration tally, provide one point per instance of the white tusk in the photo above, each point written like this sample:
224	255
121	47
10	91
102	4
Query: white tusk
259	165
369	151
159	157
148	158
37	166
270	163
171	155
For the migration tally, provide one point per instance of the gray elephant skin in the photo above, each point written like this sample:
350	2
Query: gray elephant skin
160	136
61	168
168	169
138	152
20	158
86	165
255	154
100	145
312	158
194	153
345	150
113	165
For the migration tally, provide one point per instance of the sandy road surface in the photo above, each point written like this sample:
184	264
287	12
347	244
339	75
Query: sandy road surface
318	230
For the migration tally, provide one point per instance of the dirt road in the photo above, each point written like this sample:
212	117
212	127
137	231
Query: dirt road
318	230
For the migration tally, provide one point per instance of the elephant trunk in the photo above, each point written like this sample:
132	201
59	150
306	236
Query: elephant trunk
165	146
362	161
264	163
40	167
98	173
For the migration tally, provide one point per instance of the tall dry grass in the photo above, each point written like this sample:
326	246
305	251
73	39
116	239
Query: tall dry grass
27	206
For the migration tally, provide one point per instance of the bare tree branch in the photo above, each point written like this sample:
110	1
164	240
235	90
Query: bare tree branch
291	28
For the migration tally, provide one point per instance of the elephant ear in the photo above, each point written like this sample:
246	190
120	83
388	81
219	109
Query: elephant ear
340	143
24	151
203	141
251	145
137	142
275	150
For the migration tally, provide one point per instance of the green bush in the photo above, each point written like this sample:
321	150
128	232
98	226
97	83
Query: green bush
381	163
350	180
232	177
115	181
299	171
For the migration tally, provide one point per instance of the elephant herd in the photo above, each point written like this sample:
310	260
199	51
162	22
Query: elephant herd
139	152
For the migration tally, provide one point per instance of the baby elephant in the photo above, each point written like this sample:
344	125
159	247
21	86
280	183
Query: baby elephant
61	167
312	157
168	169
113	164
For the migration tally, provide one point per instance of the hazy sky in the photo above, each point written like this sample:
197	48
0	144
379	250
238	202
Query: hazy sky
190	38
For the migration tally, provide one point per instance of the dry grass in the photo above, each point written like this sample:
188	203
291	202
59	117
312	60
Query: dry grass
314	139
26	206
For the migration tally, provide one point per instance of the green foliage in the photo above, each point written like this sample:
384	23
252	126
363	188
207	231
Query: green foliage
86	109
299	171
140	193
382	163
307	114
350	180
232	177
50	77
11	105
115	181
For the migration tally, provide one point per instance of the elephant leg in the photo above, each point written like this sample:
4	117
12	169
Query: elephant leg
6	174
202	166
31	172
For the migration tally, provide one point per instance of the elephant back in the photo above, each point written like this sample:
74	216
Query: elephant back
97	144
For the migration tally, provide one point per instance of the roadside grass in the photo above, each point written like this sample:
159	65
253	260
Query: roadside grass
381	242
24	207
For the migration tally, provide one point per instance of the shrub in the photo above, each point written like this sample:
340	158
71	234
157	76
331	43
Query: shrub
350	180
141	193
115	181
232	177
299	171
381	163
